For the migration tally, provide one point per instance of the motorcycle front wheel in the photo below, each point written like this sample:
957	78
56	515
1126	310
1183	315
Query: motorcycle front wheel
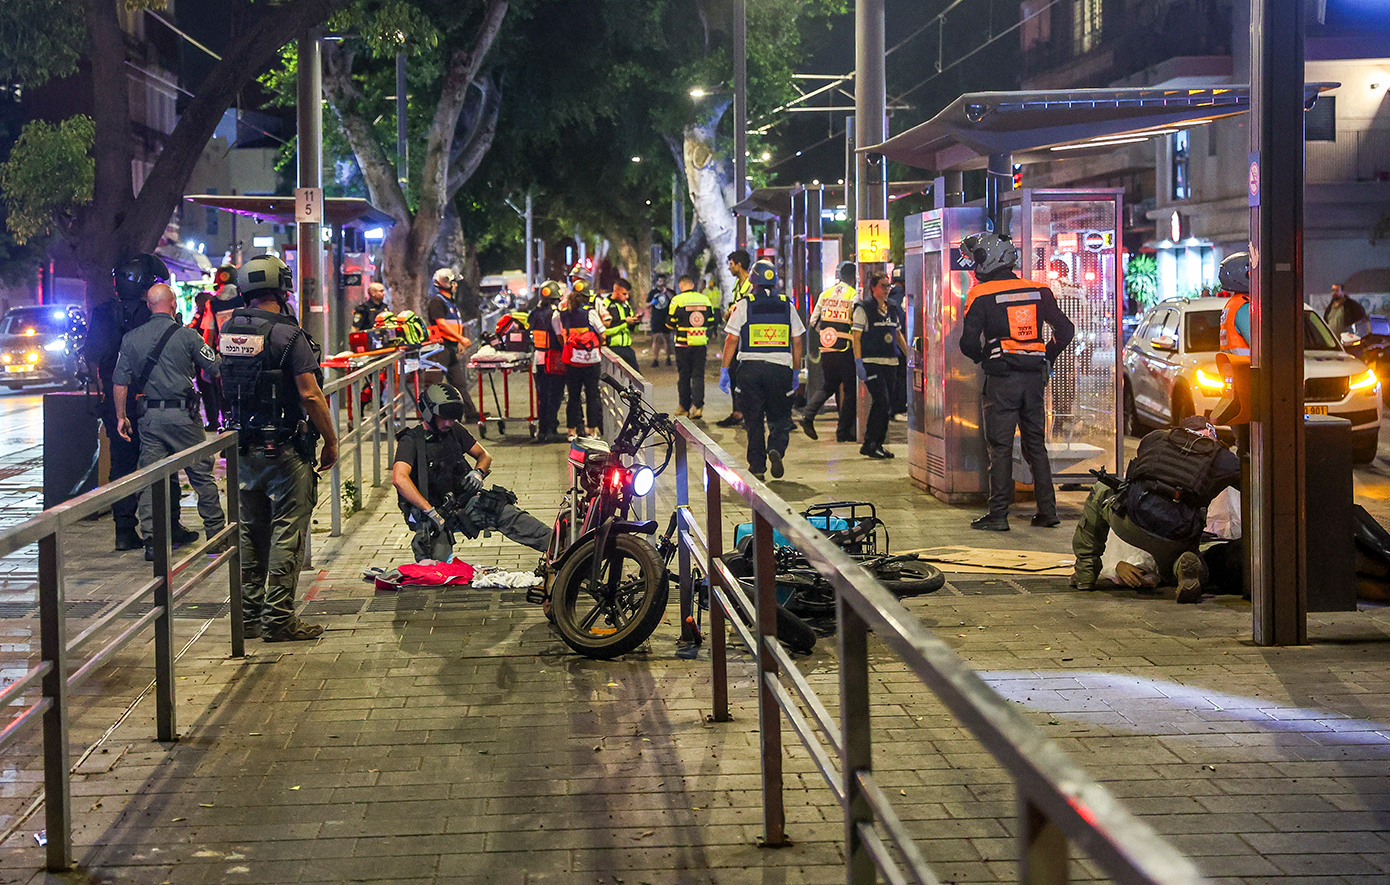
597	624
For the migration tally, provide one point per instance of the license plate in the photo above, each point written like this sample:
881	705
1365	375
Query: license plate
19	368
1315	410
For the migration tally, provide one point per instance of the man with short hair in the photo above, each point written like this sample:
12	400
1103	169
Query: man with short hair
831	320
620	322
739	263
691	316
1342	313
365	314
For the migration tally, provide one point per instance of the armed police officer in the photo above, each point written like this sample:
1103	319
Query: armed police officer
765	331
155	370
111	320
831	320
271	378
364	315
548	364
620	322
440	494
1003	332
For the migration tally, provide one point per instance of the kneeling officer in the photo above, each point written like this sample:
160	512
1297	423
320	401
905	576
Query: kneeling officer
440	494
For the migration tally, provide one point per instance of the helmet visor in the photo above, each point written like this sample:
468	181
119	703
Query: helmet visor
453	410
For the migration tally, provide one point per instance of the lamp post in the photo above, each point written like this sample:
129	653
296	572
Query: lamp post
741	115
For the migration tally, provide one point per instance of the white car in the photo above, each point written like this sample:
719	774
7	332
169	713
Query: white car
1170	372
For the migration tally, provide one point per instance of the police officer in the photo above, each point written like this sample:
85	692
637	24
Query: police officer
878	340
765	331
1003	332
690	316
739	263
111	320
155	369
622	319
831	321
439	492
270	374
548	365
364	315
442	314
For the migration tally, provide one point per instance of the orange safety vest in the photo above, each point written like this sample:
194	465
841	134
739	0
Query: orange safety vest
1019	300
1231	339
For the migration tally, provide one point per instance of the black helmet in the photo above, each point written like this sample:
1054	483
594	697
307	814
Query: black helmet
763	274
133	278
440	401
987	252
264	272
1234	274
847	272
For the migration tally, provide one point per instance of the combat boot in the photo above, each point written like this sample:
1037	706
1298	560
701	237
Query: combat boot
295	631
128	539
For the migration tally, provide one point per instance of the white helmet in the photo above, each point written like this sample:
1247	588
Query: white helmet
1234	275
987	252
444	278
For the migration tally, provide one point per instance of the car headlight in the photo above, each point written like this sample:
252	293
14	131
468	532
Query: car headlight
56	346
6	358
1364	381
1209	379
32	356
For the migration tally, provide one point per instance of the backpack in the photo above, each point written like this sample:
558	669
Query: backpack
580	341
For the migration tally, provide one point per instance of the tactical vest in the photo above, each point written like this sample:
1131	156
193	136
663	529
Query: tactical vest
1181	463
879	340
693	315
767	328
1013	310
258	387
439	477
836	315
1231	339
620	333
111	320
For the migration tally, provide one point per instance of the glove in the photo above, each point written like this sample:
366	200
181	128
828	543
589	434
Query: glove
435	518
796	380
724	382
860	371
473	481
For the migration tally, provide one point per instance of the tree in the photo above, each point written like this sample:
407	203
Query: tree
49	38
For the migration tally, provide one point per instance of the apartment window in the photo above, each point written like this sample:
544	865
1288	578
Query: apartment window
1320	124
1182	181
1087	19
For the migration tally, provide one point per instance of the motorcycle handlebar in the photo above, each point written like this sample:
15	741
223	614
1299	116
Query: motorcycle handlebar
611	383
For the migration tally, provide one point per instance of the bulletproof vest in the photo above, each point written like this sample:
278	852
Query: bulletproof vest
879	338
259	388
438	476
768	325
836	315
1182	463
111	320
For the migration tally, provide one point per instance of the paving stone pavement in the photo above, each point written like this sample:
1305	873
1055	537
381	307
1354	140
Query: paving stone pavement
450	737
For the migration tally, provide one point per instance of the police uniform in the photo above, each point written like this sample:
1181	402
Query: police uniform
766	325
166	408
690	316
263	352
831	318
1003	332
438	464
878	349
364	315
548	370
442	310
619	331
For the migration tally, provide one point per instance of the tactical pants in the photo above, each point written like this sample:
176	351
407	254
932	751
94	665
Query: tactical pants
550	389
165	432
1098	519
125	460
1015	401
513	522
277	500
838	380
690	376
878	381
581	384
764	393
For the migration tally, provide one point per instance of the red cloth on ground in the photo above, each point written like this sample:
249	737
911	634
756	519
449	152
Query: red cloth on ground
436	573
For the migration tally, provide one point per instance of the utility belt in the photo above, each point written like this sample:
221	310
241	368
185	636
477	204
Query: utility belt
144	405
271	442
469	515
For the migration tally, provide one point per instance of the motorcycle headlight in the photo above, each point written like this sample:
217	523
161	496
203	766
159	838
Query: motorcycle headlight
643	479
56	346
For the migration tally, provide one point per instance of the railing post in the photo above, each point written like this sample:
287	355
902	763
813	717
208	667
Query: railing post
377	418
1042	847
335	506
165	723
718	638
857	749
53	643
687	585
233	454
769	712
355	393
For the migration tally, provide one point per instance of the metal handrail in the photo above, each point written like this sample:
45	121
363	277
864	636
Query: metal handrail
615	409
46	530
1058	802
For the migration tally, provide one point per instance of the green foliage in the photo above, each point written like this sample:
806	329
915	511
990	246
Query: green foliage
49	173
1141	280
42	40
351	496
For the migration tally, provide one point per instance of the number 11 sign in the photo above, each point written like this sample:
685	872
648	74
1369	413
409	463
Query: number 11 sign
872	241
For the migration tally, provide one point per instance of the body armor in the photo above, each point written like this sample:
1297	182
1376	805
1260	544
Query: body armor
261	393
1180	463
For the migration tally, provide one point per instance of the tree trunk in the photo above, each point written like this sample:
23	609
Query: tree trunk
710	174
687	255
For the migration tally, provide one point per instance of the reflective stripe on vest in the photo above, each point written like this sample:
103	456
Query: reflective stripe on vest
1019	300
620	333
767	327
692	314
836	316
879	338
1231	339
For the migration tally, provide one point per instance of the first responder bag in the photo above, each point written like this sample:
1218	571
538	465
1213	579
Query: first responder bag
578	344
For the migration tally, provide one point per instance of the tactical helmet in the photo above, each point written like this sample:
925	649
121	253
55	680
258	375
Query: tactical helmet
1234	275
440	401
133	278
444	277
763	274
550	290
264	272
987	252
847	272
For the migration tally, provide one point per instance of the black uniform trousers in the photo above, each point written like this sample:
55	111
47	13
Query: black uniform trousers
550	390
581	383
625	353
1015	400
878	381
764	394
690	376
838	380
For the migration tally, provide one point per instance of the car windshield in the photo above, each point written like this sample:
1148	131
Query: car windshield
1202	331
1316	335
43	321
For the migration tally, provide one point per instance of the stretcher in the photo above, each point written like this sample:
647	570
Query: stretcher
489	362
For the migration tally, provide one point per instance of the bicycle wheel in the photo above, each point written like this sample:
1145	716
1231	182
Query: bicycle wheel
910	578
597	625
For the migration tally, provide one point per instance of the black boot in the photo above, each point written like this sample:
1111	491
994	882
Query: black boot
128	539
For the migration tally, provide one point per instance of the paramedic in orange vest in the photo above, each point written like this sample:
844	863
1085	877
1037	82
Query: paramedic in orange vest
1234	277
446	323
548	366
1003	332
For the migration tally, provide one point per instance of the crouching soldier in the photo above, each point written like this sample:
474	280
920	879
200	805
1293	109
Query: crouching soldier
441	493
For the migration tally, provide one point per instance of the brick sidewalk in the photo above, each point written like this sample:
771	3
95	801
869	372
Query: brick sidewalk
449	736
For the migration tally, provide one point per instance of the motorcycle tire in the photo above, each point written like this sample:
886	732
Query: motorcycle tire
586	625
910	578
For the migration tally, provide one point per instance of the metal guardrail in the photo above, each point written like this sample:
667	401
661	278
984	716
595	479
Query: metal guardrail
52	672
1058	803
615	410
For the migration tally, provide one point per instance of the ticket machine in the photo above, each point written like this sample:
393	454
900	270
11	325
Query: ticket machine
1067	239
